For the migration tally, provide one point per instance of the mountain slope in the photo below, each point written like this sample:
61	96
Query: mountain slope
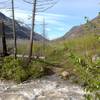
92	27
22	32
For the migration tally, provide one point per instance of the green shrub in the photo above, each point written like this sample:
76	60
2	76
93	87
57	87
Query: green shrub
12	70
36	69
16	70
88	72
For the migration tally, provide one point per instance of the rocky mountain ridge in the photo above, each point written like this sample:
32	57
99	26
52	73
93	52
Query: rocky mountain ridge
22	32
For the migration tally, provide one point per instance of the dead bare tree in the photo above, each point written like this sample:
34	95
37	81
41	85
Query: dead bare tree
3	38
14	30
11	2
38	6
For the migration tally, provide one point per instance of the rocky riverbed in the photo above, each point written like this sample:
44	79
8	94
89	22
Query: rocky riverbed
46	88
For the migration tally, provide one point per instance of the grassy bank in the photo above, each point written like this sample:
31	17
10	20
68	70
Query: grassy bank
76	56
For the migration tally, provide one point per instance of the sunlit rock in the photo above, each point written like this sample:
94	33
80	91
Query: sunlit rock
65	75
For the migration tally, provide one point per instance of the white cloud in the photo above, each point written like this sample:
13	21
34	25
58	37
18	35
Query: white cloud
55	22
48	29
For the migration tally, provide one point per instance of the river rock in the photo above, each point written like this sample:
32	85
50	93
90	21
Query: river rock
65	75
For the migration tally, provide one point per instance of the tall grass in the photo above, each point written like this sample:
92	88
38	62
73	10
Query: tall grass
75	55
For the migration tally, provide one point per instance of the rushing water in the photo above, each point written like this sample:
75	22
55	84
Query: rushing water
47	88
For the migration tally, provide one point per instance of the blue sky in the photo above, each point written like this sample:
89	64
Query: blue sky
60	18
